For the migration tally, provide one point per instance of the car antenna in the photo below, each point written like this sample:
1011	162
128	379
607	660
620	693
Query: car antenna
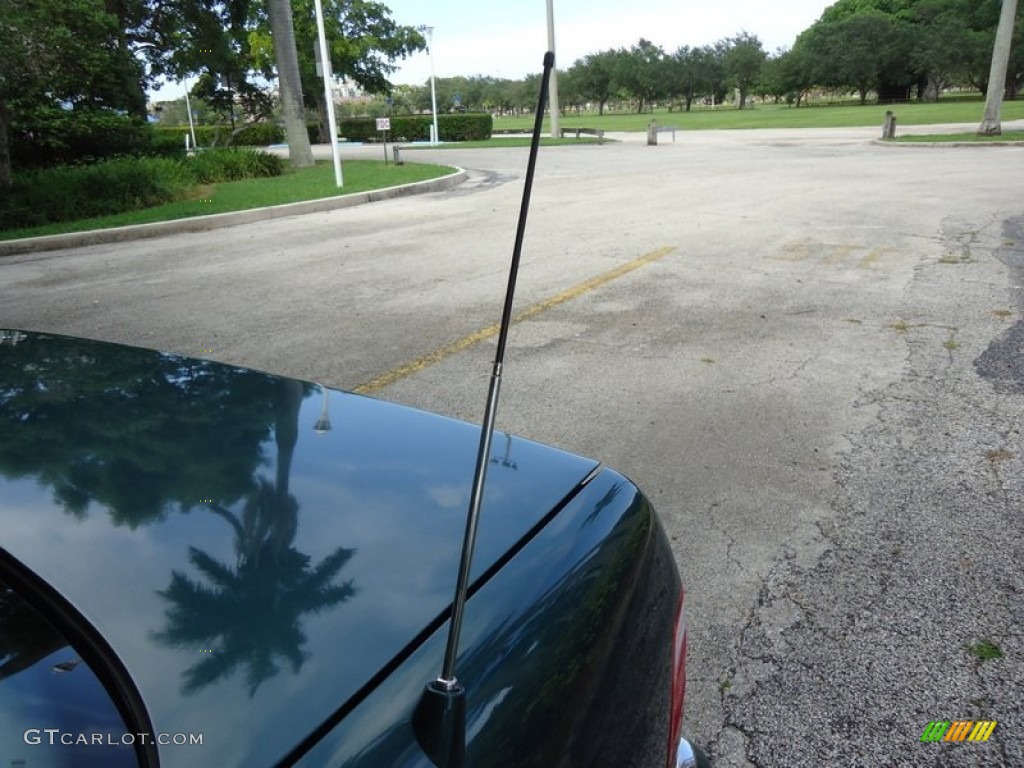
440	717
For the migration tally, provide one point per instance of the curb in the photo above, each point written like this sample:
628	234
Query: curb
940	144
220	220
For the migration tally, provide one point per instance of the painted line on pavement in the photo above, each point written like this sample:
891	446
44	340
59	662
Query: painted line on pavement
441	353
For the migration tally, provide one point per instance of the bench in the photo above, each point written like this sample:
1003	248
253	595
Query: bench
584	132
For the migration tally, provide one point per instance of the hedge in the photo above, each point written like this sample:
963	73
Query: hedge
252	135
50	136
123	184
467	127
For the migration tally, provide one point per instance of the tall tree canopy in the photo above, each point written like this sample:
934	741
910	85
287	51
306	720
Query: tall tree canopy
363	43
105	54
743	56
70	53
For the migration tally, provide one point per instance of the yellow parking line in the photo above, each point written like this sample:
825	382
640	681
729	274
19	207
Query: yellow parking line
441	353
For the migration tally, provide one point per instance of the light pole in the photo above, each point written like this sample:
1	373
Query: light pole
433	92
188	108
325	65
553	89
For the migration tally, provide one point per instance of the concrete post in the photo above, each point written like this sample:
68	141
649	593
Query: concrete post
652	134
889	129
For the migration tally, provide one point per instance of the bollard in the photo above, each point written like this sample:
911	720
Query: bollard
398	155
652	134
889	129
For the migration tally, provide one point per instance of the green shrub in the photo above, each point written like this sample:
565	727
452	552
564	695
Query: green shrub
125	184
50	136
468	127
65	194
206	135
213	165
258	135
165	144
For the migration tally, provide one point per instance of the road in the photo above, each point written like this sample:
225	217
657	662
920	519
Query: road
803	345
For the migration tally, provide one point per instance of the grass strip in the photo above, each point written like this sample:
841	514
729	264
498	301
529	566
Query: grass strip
291	187
779	116
959	138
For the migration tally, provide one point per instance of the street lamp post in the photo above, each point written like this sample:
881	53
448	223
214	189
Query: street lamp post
433	92
191	124
325	65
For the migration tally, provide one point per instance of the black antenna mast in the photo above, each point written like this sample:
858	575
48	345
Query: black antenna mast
440	717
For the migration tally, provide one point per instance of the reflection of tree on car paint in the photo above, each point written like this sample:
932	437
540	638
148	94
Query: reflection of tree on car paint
251	614
115	408
111	404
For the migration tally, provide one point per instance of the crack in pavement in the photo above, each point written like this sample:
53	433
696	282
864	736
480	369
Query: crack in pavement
846	659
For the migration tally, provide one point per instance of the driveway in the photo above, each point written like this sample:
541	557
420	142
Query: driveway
803	345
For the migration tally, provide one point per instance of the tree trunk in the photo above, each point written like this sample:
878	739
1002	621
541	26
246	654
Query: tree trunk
991	122
283	32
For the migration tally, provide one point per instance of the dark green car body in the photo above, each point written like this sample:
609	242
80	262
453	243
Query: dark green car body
239	569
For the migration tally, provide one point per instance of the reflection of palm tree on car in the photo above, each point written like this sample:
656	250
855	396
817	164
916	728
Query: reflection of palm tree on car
250	613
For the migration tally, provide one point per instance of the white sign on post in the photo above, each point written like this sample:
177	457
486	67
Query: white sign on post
383	123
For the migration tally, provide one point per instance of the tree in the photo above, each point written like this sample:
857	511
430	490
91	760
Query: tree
594	76
796	74
744	57
289	83
773	81
363	44
61	53
990	123
640	72
867	50
942	46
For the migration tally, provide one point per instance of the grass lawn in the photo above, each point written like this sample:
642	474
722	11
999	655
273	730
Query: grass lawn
293	186
509	141
779	116
945	138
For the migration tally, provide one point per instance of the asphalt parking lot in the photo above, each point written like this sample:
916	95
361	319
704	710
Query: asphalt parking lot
804	346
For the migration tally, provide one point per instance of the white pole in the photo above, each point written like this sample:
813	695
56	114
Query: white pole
325	64
553	87
435	137
188	108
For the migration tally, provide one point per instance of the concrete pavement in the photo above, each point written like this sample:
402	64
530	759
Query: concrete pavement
818	385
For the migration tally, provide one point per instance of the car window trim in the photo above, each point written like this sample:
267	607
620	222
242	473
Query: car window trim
91	647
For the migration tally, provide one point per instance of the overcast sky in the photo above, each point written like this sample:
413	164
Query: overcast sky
508	39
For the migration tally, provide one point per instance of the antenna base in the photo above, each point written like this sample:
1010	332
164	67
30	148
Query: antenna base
439	723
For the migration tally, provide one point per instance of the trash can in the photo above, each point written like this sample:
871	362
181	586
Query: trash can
397	151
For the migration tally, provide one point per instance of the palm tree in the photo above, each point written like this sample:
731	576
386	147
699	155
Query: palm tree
282	29
990	123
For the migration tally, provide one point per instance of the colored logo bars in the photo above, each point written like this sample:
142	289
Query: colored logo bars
959	730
